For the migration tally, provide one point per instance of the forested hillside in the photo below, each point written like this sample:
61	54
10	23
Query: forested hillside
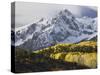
81	55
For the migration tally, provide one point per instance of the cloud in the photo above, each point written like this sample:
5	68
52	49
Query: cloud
27	12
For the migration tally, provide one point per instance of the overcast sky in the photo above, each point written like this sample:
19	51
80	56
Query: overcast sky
28	12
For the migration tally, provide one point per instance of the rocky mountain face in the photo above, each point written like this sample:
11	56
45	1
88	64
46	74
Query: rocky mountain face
62	28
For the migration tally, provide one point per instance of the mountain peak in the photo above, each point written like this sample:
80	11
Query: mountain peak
65	12
62	28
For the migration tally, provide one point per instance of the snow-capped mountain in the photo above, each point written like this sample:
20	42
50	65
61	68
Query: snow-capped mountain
62	28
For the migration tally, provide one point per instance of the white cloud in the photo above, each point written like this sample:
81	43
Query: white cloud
30	12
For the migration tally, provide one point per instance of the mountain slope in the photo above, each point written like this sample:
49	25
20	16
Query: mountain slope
62	28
